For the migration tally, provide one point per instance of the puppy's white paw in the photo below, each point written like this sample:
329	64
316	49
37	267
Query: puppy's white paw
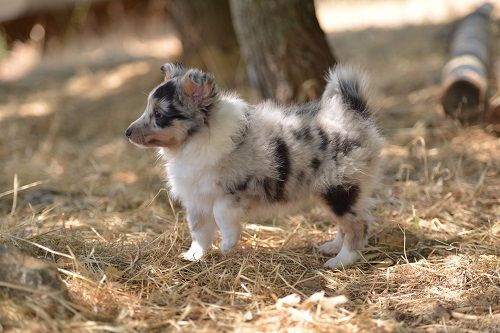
194	253
330	247
344	259
191	255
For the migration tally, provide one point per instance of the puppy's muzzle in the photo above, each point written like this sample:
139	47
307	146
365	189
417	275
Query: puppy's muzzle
136	135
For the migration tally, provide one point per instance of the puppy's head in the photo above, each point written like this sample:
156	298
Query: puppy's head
177	108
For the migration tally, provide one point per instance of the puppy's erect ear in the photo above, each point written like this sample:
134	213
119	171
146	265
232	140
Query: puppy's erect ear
198	85
167	70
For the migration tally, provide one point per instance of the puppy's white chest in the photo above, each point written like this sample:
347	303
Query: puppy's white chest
191	183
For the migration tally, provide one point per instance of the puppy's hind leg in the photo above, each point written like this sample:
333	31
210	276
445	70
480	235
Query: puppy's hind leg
203	231
356	234
333	246
347	204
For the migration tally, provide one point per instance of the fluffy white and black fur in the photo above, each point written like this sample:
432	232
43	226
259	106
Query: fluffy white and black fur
226	158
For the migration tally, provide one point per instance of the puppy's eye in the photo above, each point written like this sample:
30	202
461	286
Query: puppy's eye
164	118
161	119
157	113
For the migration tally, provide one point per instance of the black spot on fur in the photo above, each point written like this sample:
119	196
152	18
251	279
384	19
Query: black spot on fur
343	145
352	97
341	198
303	134
324	139
274	188
350	145
165	91
165	118
282	156
315	163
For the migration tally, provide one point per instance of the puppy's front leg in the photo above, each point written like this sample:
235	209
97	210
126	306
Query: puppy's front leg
227	216
203	231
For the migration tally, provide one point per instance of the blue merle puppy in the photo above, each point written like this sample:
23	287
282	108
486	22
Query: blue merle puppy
226	158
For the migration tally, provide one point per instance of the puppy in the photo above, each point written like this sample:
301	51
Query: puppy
226	158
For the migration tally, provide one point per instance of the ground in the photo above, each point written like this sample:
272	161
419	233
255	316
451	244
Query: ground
75	192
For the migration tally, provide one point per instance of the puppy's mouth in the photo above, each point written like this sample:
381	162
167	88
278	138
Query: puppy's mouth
150	143
154	143
138	144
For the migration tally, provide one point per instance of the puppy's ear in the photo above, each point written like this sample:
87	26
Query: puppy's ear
198	85
167	70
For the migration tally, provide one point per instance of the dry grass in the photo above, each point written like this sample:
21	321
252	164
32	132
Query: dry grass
102	216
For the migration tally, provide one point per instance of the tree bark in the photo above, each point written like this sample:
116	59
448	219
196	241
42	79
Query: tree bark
286	51
208	38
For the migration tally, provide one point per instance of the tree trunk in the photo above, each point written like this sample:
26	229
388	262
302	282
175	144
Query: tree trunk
286	51
208	38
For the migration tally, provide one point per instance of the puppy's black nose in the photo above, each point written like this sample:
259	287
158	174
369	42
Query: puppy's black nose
128	132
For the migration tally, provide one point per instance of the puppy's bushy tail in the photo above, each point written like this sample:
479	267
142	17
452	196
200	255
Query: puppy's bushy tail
350	85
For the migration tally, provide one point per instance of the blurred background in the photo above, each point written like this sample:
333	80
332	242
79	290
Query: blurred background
200	33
